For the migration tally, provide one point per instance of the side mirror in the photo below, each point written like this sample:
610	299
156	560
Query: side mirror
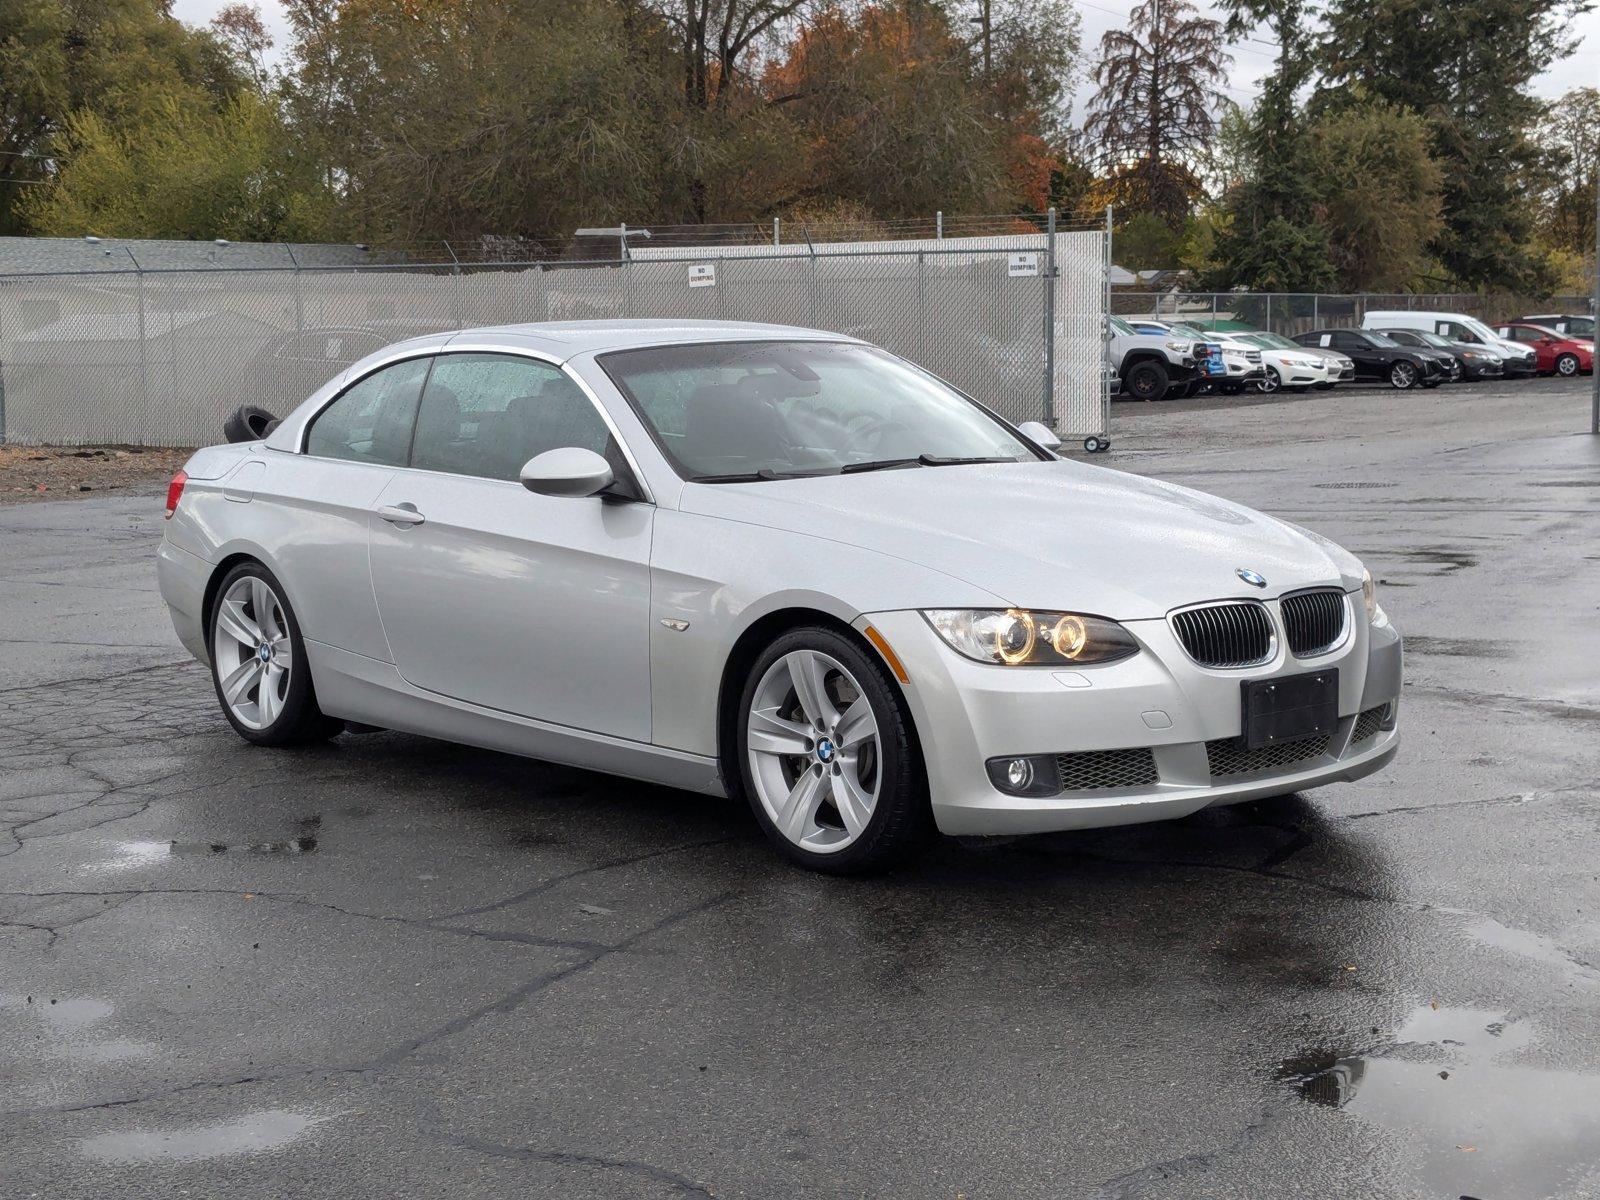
568	471
1040	434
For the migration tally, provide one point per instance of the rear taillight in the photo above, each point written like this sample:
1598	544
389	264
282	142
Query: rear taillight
175	493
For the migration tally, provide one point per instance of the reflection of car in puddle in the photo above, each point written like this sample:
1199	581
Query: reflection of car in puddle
1457	1084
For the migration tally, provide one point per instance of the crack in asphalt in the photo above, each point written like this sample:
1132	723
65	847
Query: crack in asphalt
681	1184
402	1051
1138	1180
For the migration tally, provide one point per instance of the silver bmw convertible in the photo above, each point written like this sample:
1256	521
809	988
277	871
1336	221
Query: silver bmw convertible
775	563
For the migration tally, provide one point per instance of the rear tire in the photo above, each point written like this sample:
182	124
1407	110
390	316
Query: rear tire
828	757
259	665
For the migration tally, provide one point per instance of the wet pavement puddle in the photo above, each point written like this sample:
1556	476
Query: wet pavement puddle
132	855
253	1133
1485	1125
69	1028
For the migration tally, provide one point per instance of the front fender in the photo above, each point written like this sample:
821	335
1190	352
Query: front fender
713	579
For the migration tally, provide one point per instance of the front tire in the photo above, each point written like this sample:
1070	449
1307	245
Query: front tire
258	662
1403	375
828	757
1270	383
1146	380
1567	366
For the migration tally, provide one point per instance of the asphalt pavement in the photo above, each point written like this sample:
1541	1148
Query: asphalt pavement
390	967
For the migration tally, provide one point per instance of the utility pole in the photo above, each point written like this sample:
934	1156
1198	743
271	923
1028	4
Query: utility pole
988	44
985	21
1594	401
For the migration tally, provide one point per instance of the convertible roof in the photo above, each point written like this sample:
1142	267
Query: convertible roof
566	339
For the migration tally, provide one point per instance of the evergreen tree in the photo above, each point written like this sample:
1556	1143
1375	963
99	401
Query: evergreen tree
1272	237
1466	68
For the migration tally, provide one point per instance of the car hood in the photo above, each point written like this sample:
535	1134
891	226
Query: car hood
1058	534
1338	356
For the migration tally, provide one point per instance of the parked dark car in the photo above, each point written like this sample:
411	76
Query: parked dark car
1378	356
1572	324
1476	362
1554	353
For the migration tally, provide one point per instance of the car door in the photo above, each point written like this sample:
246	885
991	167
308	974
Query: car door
1369	360
491	594
312	508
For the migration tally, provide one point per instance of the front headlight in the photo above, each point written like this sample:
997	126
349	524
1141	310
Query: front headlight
1016	637
1369	596
1179	347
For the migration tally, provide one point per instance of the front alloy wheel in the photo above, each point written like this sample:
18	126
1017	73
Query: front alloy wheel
1567	365
1403	375
826	755
1271	382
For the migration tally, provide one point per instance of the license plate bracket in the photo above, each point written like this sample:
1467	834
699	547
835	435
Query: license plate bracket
1290	707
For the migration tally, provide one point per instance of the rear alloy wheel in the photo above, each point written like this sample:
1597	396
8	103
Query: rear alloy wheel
1146	380
1567	365
826	756
258	663
1403	375
1271	383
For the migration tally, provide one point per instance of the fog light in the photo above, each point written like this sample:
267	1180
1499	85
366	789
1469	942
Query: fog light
1391	715
1025	775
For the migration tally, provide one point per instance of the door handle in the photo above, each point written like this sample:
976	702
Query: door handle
401	514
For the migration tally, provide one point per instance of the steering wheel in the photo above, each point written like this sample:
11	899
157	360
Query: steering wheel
869	425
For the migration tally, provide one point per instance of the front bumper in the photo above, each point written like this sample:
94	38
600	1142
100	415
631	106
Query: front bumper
968	713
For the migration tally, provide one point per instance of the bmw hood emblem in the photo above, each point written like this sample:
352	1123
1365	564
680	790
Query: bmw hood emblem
1253	578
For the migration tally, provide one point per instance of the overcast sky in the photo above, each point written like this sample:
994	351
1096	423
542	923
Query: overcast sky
1251	59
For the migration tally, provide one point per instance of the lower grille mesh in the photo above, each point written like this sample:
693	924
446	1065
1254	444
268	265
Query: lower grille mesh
1368	724
1230	756
1092	769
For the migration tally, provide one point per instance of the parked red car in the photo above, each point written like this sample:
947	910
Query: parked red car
1556	353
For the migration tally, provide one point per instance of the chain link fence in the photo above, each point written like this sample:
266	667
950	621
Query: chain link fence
161	356
1289	313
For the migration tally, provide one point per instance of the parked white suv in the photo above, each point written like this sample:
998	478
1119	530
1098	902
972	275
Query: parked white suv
1458	327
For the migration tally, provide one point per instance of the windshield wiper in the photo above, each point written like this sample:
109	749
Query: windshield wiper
881	464
764	475
921	460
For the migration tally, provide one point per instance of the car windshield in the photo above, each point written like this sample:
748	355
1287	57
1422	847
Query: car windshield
739	411
1379	339
1479	330
1190	331
1120	327
1431	339
1275	341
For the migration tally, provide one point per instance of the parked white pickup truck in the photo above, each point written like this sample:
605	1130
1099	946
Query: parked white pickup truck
1225	364
1149	364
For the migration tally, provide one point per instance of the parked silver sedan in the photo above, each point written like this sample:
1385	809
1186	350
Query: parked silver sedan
769	562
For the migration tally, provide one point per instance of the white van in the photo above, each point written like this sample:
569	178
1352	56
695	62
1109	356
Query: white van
1519	359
